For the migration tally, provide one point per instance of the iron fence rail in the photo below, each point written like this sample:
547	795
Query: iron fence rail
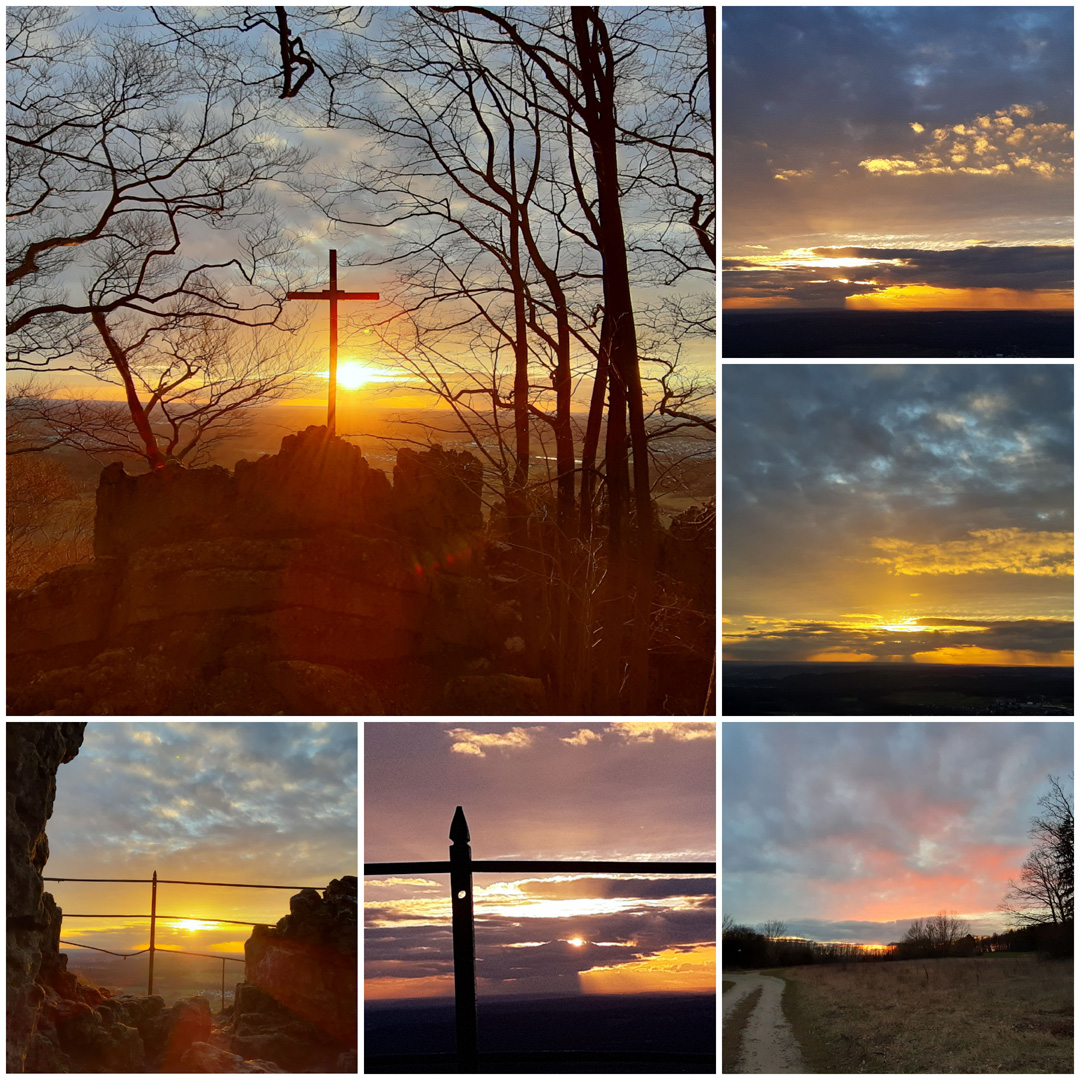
154	882
542	866
461	866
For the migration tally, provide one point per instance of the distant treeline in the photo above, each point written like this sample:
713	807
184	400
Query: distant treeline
743	947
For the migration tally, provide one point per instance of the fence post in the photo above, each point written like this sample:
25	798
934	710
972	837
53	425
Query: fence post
153	926
461	902
223	984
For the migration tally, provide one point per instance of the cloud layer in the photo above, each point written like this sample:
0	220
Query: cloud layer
618	790
848	831
1014	276
926	128
271	803
861	499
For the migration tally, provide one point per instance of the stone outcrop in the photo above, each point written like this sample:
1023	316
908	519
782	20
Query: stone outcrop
286	587
35	751
201	1057
314	485
171	1033
298	1005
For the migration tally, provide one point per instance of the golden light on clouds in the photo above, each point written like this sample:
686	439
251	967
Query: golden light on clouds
683	970
841	656
758	301
931	298
1010	551
975	654
994	144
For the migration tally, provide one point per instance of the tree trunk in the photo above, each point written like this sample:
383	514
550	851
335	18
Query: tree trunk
135	406
592	433
596	64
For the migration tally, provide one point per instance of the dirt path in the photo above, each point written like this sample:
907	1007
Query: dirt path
768	1044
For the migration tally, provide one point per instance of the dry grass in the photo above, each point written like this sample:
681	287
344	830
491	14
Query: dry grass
937	1016
731	1042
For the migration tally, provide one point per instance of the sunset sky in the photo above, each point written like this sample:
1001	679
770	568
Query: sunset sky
260	803
620	791
371	370
898	512
850	831
898	157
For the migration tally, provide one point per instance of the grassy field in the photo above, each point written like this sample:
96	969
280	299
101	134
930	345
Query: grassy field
979	1015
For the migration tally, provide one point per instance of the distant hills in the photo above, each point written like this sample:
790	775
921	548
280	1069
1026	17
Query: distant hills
683	1023
886	689
833	334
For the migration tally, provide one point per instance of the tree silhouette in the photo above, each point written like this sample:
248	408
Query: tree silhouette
1044	891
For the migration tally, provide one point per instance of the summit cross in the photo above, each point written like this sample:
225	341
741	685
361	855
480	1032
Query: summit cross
333	294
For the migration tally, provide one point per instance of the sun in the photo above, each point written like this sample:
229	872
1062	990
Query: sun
355	374
191	925
576	942
905	626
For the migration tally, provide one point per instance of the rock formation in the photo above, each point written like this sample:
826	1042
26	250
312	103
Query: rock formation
296	1012
303	583
298	1004
35	750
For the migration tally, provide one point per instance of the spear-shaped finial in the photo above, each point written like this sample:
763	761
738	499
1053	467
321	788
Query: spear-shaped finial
459	827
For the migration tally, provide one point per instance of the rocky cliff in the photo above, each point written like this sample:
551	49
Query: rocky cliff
60	1023
34	752
293	585
298	1003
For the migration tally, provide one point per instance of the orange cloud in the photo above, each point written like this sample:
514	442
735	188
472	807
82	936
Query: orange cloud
424	986
975	654
1048	149
758	302
933	875
929	297
681	970
841	654
1011	551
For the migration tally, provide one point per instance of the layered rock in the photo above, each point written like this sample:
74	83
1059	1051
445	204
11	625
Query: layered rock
314	485
202	1057
286	587
298	1005
35	750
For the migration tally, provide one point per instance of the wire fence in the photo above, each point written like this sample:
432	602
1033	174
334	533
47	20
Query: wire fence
153	917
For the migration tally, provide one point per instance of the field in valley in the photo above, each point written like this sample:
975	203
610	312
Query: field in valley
988	1014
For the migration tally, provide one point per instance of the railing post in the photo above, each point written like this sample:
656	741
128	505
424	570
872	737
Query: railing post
223	984
461	901
153	927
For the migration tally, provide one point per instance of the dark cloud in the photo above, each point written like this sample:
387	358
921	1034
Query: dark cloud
575	790
848	831
259	802
533	950
826	466
1037	636
811	92
621	887
606	798
278	796
979	267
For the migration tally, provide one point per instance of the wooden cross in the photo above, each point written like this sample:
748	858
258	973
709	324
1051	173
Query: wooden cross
333	294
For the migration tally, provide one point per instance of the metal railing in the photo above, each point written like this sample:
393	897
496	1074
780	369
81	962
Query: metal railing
154	882
461	866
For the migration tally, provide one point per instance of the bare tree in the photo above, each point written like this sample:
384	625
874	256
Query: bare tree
774	929
944	929
49	519
1045	889
127	165
197	384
